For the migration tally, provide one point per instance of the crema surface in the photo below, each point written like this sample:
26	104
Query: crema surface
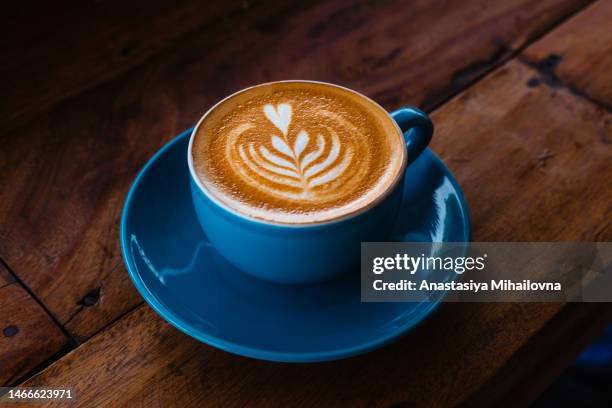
297	152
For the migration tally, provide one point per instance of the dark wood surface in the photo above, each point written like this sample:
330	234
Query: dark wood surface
582	62
521	92
64	245
28	335
61	51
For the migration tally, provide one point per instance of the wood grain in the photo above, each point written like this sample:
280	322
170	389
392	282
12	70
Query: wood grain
6	277
491	135
65	174
496	149
51	53
446	361
28	335
577	55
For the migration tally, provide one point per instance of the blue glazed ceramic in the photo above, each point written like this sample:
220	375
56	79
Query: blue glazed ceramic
306	253
187	282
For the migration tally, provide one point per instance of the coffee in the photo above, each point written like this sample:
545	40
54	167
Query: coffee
297	152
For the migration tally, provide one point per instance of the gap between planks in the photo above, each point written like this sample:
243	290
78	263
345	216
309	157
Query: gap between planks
493	64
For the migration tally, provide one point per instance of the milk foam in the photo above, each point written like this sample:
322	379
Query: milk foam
295	152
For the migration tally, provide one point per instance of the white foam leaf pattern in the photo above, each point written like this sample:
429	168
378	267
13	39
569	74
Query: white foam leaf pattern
289	166
332	173
269	166
280	145
271	176
274	158
331	157
300	143
312	156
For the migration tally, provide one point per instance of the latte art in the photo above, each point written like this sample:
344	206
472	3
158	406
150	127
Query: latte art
297	152
293	166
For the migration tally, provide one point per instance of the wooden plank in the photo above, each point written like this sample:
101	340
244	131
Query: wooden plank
28	335
50	53
65	174
492	135
155	365
577	55
6	277
533	167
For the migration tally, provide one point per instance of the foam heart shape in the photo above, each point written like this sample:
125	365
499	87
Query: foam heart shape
279	116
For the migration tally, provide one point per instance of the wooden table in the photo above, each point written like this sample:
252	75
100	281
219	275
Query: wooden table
521	96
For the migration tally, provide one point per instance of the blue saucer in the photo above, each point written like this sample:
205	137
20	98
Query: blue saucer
183	278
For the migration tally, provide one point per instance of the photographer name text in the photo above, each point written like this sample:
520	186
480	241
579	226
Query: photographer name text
472	286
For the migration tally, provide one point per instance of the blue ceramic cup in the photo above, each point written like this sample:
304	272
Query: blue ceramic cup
306	253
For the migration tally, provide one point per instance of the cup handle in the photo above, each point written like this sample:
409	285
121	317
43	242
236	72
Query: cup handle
417	128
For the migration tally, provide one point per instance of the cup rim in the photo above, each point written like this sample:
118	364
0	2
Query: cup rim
260	221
